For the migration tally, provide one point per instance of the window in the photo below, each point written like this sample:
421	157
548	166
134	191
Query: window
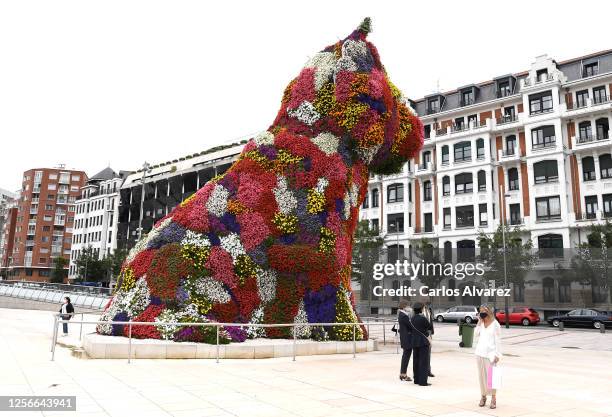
428	222
395	193
565	292
472	120
427	131
548	208
540	103
482	211
548	288
463	152
511	145
395	223
602	127
482	181
427	191
590	69
550	246
600	95
410	191
467	97
607	205
582	98
445	185
509	113
543	137
542	74
375	197
434	105
518	292
374	225
463	183
466	250
515	214
451	285
448	252
459	123
465	216
545	171
447	217
480	149
426	158
590	204
513	179
605	165
584	131
588	168
445	155
503	89
366	201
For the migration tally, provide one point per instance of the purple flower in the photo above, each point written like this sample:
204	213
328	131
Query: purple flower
216	225
118	328
320	305
230	223
236	333
259	255
172	233
268	151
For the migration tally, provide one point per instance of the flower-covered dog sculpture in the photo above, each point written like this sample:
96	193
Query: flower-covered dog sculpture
270	240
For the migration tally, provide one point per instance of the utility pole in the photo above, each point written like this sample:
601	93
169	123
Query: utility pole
503	201
145	168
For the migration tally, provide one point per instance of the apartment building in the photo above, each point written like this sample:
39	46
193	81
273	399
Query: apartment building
8	211
149	194
533	148
43	221
96	215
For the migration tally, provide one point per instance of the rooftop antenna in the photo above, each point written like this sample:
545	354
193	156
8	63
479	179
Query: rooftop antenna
61	166
438	85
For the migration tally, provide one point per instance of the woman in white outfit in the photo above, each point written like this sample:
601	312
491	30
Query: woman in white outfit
488	351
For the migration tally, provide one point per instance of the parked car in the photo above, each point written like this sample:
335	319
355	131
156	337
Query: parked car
468	314
519	315
582	317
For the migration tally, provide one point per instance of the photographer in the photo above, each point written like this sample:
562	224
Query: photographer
488	352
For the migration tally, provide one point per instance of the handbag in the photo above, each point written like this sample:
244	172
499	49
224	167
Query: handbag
428	338
494	377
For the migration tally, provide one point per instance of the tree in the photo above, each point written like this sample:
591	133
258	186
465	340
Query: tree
114	261
89	267
367	250
520	257
59	272
430	255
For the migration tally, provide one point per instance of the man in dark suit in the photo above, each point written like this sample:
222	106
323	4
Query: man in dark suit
421	330
405	331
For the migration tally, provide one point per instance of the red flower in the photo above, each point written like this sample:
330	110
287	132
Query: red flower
220	265
298	258
140	264
167	269
303	89
143	331
253	229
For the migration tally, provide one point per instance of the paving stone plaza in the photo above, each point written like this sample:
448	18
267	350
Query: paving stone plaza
547	373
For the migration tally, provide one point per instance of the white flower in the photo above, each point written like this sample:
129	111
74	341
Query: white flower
327	142
108	315
302	332
137	299
212	290
345	63
325	64
232	244
143	243
256	318
351	199
305	113
322	184
367	154
266	284
217	202
285	199
167	330
264	138
195	239
354	49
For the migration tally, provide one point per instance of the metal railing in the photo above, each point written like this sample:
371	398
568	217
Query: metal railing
29	291
59	319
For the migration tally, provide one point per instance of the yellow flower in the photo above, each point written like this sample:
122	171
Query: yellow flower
127	279
315	201
286	223
328	240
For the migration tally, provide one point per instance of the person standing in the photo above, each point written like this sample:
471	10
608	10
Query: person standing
428	313
421	340
66	313
488	352
405	332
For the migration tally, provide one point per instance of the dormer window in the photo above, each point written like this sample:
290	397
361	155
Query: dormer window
504	88
542	74
467	97
505	85
433	105
590	70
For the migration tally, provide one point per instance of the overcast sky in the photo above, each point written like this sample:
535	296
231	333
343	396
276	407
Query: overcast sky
90	84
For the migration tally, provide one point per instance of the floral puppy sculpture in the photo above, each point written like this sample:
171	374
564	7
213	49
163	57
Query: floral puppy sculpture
270	240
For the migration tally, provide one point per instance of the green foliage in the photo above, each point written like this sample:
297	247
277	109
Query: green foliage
59	272
429	254
367	248
520	257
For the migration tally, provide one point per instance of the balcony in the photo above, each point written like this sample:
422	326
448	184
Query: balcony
534	81
590	141
550	143
462	129
504	120
508	155
425	169
588	105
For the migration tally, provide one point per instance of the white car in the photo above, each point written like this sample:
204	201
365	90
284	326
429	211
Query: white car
468	314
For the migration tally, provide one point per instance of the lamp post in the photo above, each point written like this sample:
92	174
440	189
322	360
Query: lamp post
506	308
145	168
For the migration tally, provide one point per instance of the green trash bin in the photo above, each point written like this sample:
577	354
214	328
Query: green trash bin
466	331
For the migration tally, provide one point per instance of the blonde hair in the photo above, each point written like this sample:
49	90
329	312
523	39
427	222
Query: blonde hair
489	311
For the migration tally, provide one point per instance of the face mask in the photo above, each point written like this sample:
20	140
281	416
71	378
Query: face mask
483	315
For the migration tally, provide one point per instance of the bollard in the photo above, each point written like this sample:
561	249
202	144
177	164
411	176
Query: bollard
294	343
54	333
130	341
602	329
217	343
561	326
384	334
81	330
354	342
54	340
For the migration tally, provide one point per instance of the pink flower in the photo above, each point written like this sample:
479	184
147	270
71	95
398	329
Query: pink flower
344	79
249	190
304	88
220	265
376	83
253	229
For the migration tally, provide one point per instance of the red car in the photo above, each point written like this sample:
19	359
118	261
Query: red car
519	315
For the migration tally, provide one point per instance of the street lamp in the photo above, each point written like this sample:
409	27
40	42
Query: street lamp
504	223
145	168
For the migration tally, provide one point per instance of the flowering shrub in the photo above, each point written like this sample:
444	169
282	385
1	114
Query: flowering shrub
269	241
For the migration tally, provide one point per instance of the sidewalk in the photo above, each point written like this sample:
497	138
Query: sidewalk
539	381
